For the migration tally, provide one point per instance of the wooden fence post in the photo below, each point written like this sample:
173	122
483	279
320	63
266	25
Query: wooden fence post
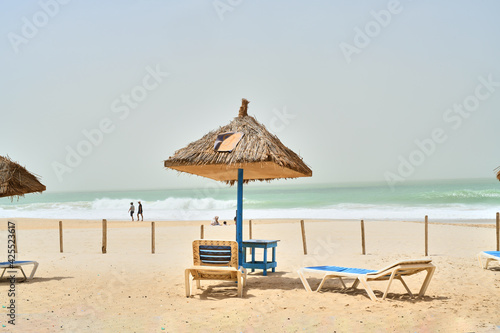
498	231
152	237
363	247
202	232
250	229
426	235
60	237
302	226
104	235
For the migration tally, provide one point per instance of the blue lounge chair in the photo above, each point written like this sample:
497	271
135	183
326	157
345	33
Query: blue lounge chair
215	260
18	265
488	256
394	271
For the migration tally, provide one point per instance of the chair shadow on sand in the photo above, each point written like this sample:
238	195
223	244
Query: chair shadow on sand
277	281
335	287
36	279
494	268
255	281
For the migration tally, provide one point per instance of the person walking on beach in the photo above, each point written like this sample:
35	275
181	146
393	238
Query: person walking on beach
139	212
131	210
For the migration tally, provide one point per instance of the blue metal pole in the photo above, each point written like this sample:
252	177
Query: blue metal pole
239	216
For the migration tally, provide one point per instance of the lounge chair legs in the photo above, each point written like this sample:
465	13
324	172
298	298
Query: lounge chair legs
397	271
244	274
486	261
488	257
240	284
188	282
389	284
321	283
368	290
19	266
430	273
406	287
308	288
304	281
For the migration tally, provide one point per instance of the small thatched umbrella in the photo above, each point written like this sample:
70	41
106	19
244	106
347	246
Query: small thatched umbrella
241	151
497	170
15	180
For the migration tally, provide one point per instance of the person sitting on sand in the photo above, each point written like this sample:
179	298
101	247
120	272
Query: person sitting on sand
131	210
215	221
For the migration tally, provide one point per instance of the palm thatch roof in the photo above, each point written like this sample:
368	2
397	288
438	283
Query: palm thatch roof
497	170
15	180
261	154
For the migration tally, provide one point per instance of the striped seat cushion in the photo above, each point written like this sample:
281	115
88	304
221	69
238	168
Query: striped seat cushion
15	263
342	269
210	254
493	253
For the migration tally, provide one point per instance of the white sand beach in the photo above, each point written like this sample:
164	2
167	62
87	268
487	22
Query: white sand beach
129	289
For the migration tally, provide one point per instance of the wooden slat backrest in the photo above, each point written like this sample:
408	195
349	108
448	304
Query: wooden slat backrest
215	253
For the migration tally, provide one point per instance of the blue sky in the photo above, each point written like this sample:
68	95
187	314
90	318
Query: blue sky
363	116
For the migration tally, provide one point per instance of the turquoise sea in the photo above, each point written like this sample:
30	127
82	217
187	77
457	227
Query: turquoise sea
450	200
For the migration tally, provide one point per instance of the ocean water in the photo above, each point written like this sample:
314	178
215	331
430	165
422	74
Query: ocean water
449	201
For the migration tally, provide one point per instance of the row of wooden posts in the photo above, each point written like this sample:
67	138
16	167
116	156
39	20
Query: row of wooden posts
105	236
302	226
363	245
202	233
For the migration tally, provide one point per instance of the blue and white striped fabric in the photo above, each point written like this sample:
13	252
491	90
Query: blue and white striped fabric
342	269
493	253
7	263
210	254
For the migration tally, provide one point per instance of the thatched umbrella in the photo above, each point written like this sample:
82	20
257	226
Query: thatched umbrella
497	170
241	151
15	180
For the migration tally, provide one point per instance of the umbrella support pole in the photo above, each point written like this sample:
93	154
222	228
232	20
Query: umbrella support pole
239	216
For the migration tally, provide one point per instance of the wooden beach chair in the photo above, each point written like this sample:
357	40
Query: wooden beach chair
215	260
18	265
361	276
488	256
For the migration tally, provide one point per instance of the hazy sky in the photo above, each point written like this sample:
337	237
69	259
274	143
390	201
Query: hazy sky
96	94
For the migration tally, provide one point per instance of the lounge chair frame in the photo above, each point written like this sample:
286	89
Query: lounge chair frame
207	268
18	265
396	271
488	257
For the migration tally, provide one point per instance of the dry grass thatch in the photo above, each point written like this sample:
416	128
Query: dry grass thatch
15	180
497	171
260	153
